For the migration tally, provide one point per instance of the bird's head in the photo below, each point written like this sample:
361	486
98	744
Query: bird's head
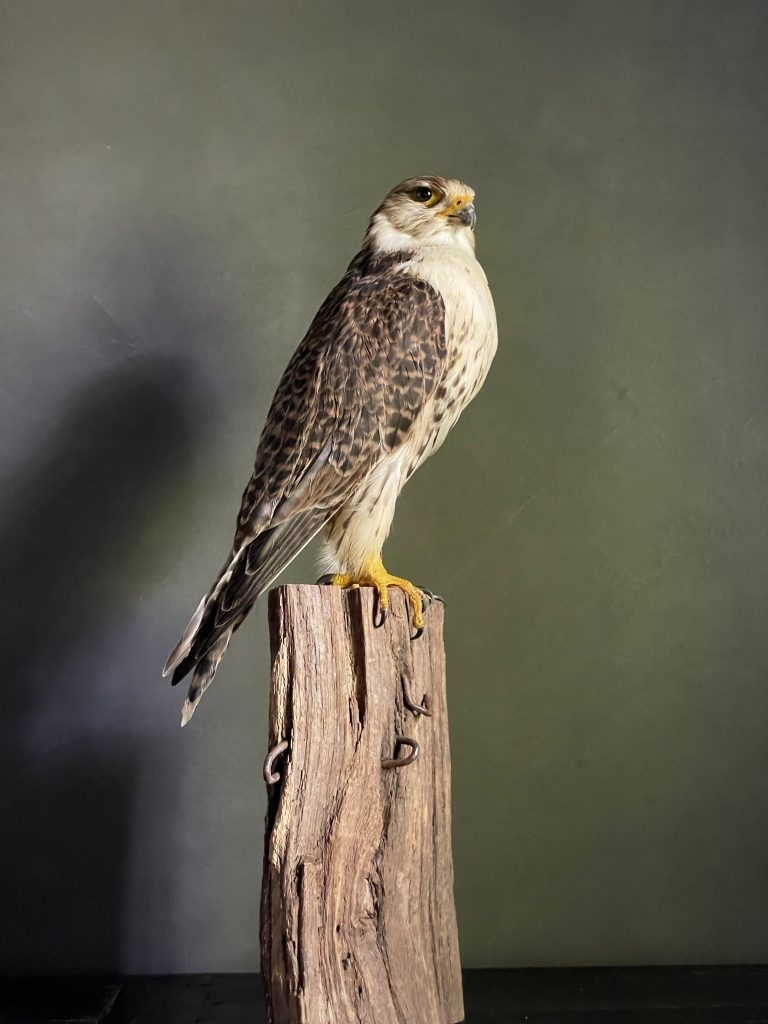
425	211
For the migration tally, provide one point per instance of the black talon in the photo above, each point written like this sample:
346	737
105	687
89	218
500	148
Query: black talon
382	617
431	596
427	597
326	580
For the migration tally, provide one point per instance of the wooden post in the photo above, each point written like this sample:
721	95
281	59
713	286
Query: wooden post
358	924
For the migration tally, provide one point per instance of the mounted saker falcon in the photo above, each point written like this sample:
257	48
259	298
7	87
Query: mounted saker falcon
397	350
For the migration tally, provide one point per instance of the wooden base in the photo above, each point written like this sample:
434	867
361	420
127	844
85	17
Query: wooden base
358	921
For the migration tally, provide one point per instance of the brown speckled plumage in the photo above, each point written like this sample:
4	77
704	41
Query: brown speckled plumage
371	390
371	357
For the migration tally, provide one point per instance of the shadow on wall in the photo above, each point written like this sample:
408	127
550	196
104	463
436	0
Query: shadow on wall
67	796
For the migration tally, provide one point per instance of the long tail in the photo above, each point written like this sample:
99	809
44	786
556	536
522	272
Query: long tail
245	576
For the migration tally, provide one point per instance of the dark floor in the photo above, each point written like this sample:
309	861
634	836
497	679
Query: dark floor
644	995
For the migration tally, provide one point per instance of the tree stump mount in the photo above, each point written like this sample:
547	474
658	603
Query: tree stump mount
358	924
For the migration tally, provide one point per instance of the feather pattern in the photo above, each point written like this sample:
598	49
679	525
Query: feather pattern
349	396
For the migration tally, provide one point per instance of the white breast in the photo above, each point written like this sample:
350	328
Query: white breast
472	338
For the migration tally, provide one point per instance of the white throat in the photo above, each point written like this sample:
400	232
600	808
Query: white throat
387	238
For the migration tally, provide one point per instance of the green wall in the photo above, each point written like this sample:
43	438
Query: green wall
181	185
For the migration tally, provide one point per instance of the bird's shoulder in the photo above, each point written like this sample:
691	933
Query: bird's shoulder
380	309
379	289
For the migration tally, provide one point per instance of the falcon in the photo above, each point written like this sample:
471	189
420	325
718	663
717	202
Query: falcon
397	350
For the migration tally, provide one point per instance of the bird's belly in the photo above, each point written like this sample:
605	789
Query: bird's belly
360	527
465	375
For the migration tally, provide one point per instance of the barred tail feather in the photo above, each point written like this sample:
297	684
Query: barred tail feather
202	677
182	648
247	575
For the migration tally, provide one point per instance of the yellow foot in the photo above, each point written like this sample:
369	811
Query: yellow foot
373	574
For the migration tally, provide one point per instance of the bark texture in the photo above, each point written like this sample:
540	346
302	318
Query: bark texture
358	924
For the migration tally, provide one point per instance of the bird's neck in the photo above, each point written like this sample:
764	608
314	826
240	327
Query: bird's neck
382	238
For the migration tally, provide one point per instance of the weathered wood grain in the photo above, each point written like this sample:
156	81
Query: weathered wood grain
358	921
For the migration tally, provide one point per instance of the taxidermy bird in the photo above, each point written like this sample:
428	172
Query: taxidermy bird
398	349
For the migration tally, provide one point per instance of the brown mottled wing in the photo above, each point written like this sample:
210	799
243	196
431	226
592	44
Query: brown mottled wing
372	356
350	394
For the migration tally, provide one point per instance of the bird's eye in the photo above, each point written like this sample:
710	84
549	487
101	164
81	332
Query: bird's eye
425	194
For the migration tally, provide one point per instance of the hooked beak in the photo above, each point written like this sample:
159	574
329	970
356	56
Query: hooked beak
467	215
462	209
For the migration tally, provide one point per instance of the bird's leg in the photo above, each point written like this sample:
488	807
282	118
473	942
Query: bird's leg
373	574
